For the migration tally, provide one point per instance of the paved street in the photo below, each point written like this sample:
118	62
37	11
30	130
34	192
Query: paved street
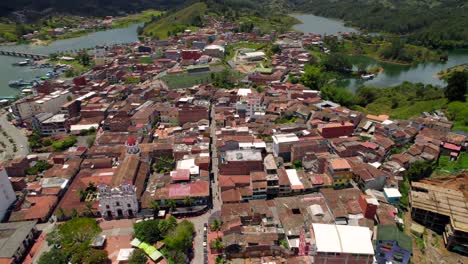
199	221
18	137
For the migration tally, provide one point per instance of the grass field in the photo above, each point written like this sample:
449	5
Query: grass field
144	16
175	81
405	109
446	167
179	20
8	32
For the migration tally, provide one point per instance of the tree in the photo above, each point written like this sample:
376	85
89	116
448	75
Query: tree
78	231
60	214
313	77
457	86
220	260
181	238
88	211
338	95
188	201
171	204
419	170
148	231
55	256
337	62
138	256
297	164
217	244
155	206
95	256
83	58
216	225
164	164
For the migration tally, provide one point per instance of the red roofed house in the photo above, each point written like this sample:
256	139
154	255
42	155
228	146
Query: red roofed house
334	130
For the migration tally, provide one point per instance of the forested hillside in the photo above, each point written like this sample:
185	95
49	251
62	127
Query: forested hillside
87	7
433	23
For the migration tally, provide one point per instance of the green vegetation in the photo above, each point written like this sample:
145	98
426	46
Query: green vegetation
145	16
457	86
388	49
217	244
446	165
419	170
146	60
265	24
286	120
39	167
402	101
225	79
445	74
55	256
297	164
216	225
153	231
72	243
138	256
182	80
64	143
458	112
8	32
164	164
177	236
170	23
436	24
90	189
405	190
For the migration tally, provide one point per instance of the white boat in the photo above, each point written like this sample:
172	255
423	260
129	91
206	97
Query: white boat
368	76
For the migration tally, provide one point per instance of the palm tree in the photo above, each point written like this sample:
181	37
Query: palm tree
216	225
88	211
171	204
188	201
220	260
60	214
217	244
155	206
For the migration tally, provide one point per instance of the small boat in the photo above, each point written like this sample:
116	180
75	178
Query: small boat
23	63
19	83
368	76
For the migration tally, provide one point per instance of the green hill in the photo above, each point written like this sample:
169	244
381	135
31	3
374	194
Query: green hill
188	17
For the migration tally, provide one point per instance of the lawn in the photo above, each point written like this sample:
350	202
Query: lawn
178	21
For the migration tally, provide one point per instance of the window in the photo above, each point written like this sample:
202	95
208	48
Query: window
117	204
128	205
107	207
296	211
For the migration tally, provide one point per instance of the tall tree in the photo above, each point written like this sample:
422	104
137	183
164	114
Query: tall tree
138	257
457	86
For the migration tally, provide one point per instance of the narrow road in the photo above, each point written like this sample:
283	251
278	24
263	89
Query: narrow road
21	141
199	221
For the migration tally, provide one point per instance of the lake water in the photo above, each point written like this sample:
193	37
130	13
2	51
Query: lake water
320	25
393	74
9	72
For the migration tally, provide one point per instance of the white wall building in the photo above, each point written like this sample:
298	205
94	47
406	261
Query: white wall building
51	103
118	202
7	194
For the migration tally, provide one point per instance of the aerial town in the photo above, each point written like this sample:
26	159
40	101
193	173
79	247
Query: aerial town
200	149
